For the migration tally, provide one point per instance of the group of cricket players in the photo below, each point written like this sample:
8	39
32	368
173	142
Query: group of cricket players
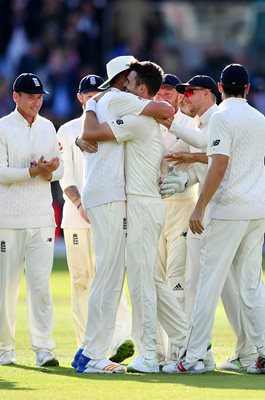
163	188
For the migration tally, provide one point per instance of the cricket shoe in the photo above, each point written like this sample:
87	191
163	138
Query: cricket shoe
101	366
45	358
142	364
7	357
184	367
74	363
258	367
208	361
232	364
161	361
124	350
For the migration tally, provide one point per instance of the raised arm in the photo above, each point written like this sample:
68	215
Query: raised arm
93	131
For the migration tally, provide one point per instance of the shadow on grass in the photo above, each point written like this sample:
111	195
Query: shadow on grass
214	380
8	385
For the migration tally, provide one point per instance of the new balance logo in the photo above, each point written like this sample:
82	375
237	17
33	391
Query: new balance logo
178	287
184	234
215	142
75	239
3	246
49	240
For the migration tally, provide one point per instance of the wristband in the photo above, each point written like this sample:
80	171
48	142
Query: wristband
91	105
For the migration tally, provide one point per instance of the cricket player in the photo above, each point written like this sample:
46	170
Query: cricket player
103	198
235	191
29	161
197	102
172	242
78	233
143	154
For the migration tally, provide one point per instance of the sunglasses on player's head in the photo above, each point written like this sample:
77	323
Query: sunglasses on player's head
190	91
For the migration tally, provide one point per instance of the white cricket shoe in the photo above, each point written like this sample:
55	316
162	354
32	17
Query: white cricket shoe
232	364
7	357
184	367
142	364
209	362
258	367
45	358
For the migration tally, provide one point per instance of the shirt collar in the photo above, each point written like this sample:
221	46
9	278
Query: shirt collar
231	100
22	119
205	117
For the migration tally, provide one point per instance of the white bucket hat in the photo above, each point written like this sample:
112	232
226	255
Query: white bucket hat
115	66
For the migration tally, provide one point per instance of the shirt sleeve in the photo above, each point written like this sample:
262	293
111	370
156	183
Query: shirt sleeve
193	136
10	175
124	103
66	144
59	172
219	136
127	128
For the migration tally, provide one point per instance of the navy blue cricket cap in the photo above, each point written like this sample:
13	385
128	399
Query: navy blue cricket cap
201	81
90	83
234	75
29	83
170	80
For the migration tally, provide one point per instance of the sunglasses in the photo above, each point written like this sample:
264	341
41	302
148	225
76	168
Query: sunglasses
189	92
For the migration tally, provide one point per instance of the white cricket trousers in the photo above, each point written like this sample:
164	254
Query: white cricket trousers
225	243
80	256
245	349
172	257
109	227
30	250
145	217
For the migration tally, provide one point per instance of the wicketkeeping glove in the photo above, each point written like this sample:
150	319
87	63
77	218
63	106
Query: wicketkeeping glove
174	182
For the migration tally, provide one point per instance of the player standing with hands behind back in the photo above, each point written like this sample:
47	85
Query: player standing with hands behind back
29	161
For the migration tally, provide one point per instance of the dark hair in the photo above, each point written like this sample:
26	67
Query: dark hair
235	91
148	73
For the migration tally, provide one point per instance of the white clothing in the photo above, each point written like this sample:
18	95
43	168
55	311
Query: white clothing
103	197
244	250
104	175
73	171
26	202
78	237
108	221
241	194
26	227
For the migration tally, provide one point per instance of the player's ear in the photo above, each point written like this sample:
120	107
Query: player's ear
247	88
79	97
220	87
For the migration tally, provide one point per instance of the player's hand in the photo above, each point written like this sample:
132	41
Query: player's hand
167	122
46	168
174	182
98	96
180	157
84	145
195	223
83	214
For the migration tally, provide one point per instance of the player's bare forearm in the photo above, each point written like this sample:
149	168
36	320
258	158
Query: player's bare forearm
93	131
213	179
73	194
186	157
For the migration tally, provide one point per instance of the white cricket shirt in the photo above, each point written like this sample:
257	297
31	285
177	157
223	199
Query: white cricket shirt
104	170
73	170
237	130
26	202
143	153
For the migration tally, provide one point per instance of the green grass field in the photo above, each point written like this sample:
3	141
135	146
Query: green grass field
27	382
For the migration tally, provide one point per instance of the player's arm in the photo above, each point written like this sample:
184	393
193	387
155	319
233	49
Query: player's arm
93	131
213	179
186	158
124	103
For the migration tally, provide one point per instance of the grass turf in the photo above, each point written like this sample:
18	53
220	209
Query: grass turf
25	381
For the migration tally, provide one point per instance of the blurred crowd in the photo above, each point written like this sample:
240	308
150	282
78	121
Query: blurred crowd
63	40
